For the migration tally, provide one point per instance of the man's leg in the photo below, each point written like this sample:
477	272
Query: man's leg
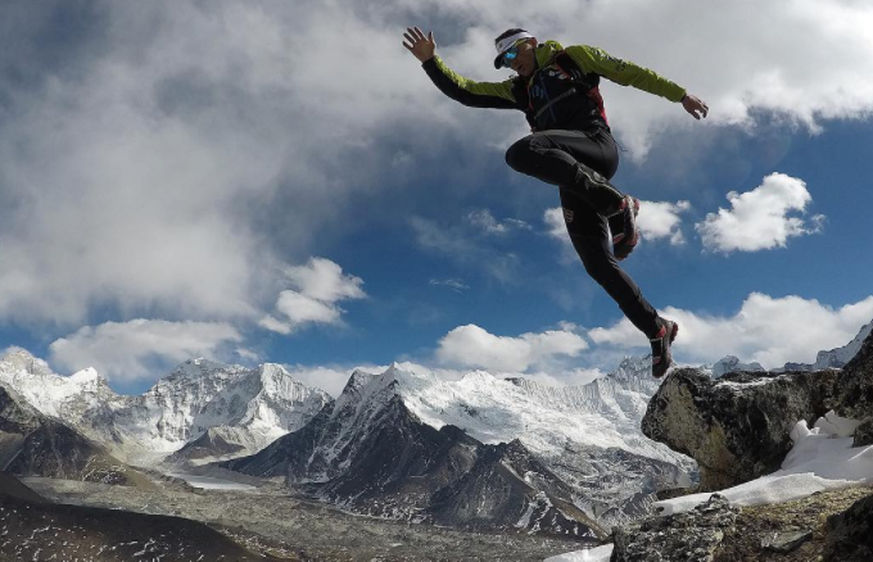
588	231
581	162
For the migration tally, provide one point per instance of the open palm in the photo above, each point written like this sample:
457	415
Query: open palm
419	45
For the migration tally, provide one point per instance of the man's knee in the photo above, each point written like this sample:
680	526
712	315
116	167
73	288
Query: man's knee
519	154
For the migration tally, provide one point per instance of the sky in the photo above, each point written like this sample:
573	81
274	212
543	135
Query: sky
280	181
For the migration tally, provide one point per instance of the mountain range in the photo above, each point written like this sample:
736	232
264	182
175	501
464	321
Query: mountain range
243	409
481	452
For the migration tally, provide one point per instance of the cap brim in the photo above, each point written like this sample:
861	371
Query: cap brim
498	62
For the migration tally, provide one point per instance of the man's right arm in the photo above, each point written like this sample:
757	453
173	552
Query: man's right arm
472	94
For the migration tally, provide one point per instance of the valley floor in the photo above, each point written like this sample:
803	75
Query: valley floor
268	521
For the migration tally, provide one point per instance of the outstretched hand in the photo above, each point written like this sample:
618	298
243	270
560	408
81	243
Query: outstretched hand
419	45
695	106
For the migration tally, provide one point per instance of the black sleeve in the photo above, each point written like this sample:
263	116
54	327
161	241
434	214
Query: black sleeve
472	94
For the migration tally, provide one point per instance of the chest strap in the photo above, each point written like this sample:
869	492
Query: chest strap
566	94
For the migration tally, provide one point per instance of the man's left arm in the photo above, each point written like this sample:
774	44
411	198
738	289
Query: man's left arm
626	73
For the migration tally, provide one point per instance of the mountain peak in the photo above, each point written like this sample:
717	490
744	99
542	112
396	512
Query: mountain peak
88	377
19	359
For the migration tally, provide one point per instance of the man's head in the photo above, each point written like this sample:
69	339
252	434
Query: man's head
515	50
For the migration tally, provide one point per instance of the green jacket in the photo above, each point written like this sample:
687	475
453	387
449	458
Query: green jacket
563	93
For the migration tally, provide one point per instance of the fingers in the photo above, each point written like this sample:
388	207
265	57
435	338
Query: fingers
411	42
416	35
696	107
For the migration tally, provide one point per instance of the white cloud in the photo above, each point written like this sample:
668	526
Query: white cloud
771	331
319	286
134	350
323	280
661	220
329	379
472	346
484	221
657	220
456	285
136	175
759	219
554	219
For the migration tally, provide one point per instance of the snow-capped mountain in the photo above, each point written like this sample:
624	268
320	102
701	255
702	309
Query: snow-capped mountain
369	452
248	408
586	437
835	358
33	444
732	364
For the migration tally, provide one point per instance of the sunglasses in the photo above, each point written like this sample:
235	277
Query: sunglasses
511	54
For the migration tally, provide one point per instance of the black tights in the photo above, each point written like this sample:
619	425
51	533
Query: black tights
566	159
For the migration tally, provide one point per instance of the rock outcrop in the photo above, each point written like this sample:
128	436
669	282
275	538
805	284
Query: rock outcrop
850	534
855	392
737	427
691	537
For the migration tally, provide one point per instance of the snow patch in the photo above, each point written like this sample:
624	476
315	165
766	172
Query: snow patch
599	554
822	458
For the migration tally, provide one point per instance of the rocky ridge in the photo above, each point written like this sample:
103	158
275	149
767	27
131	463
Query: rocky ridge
737	428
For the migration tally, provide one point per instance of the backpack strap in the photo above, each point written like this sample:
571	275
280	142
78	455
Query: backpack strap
587	84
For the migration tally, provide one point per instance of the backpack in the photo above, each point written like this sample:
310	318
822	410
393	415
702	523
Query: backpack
579	107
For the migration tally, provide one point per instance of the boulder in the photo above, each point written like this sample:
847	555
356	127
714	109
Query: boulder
737	427
850	534
864	434
690	537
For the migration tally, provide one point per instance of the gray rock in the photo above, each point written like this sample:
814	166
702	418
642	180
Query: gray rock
690	537
850	534
855	397
864	434
786	541
737	428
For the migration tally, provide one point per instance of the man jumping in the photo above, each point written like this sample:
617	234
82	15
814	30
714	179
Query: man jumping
571	146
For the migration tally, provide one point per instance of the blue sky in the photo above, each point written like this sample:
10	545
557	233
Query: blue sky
282	183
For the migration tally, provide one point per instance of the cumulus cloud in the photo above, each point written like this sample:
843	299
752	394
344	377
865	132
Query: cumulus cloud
161	118
318	287
329	379
472	346
134	350
164	159
759	219
554	219
658	220
771	331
